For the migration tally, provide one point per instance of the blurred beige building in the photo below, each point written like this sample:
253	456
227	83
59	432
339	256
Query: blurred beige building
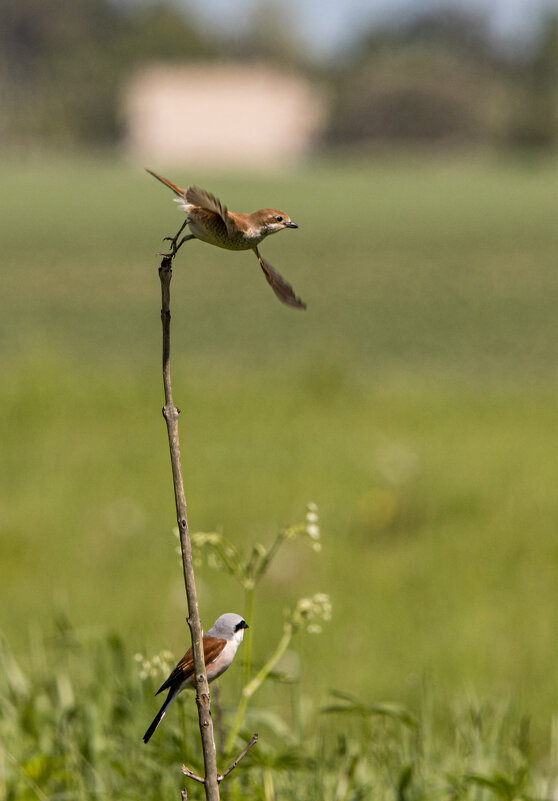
247	116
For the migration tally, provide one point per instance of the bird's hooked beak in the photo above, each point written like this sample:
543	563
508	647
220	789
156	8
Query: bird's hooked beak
291	224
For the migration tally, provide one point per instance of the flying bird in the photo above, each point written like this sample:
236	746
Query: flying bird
219	646
209	220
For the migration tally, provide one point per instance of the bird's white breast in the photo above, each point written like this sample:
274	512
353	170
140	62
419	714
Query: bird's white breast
222	662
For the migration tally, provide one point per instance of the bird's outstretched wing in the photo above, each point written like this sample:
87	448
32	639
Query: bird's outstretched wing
197	197
205	200
212	647
282	288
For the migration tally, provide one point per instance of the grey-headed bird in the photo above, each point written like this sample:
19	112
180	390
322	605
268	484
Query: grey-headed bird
219	646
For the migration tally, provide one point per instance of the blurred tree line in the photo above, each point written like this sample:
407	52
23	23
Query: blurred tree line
442	78
438	79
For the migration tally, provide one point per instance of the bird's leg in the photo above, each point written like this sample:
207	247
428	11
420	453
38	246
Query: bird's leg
184	239
174	239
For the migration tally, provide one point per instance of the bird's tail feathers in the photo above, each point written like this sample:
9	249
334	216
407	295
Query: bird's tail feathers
176	189
159	716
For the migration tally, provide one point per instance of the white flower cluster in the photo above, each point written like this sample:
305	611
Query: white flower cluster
201	538
312	526
218	552
310	611
157	667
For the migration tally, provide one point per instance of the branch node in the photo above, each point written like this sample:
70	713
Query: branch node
170	413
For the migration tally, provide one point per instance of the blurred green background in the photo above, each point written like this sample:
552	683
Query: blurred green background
416	401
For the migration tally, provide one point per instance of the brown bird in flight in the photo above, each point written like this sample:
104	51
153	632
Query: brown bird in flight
212	222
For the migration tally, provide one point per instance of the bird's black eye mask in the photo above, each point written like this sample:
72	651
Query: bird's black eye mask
242	625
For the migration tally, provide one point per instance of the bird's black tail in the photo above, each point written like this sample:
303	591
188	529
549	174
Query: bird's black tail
158	717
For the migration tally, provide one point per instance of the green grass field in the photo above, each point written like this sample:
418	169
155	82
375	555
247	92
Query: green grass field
416	402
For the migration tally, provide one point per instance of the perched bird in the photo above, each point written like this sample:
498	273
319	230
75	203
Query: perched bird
211	222
219	647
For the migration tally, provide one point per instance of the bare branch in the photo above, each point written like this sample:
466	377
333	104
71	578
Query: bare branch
191	775
252	742
171	413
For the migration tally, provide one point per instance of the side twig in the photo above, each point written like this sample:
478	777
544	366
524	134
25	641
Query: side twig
170	413
252	742
191	775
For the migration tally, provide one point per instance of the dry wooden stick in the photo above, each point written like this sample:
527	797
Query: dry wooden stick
190	773
170	413
252	742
